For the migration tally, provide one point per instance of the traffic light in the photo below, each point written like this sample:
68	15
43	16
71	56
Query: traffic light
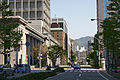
91	44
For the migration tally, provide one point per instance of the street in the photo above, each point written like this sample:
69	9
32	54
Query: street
82	75
86	73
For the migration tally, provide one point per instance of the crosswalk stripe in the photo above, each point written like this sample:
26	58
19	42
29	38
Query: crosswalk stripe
80	71
93	71
75	71
89	71
84	71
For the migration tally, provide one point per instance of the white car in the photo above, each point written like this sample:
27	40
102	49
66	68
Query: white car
76	66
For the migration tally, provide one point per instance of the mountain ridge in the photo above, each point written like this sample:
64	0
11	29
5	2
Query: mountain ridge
83	41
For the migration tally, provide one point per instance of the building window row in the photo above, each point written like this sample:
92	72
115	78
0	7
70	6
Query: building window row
25	5
32	14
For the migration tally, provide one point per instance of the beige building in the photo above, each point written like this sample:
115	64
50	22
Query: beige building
36	13
26	53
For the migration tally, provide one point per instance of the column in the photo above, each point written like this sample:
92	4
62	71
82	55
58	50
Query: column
32	50
28	39
29	9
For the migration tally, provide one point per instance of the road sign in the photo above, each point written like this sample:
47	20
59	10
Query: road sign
27	43
16	49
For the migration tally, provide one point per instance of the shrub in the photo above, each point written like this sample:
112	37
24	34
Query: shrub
2	77
48	68
59	70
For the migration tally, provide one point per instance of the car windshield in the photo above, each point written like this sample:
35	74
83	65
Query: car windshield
21	65
0	66
77	65
5	66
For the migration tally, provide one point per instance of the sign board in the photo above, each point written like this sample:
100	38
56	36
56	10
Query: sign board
27	43
16	49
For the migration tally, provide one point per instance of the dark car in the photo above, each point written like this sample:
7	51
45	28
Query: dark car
76	66
23	68
6	70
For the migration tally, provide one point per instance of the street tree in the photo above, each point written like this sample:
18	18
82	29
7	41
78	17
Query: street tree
9	34
64	56
111	33
54	52
73	57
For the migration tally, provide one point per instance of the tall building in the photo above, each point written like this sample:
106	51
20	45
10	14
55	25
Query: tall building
37	12
102	12
59	31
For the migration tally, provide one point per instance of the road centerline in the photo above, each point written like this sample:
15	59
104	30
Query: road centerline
102	76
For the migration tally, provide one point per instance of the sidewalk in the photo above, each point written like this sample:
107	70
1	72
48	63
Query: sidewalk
114	74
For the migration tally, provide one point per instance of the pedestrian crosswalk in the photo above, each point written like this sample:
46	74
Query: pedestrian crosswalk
81	71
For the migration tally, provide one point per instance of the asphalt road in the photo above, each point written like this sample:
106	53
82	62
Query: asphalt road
82	75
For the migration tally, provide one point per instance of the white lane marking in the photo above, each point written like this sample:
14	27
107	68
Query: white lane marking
88	71
102	76
84	71
77	79
75	71
80	75
93	71
80	71
98	71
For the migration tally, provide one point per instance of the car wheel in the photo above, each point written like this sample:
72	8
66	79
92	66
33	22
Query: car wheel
13	73
4	74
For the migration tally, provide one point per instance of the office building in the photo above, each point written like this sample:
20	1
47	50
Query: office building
59	31
36	12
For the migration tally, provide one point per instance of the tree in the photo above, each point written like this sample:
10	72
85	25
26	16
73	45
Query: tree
9	35
93	58
73	57
111	33
54	52
64	56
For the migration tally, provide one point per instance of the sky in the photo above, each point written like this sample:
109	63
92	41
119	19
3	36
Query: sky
77	14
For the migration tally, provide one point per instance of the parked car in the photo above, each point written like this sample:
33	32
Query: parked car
76	66
6	70
23	68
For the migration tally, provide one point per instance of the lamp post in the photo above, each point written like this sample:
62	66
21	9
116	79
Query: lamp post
98	39
99	62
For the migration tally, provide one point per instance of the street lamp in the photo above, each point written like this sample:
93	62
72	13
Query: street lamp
98	49
96	19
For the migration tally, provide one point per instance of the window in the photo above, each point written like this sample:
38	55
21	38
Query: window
61	24
39	4
25	14
32	4
18	5
54	23
39	14
18	14
11	5
32	14
4	0
21	45
25	5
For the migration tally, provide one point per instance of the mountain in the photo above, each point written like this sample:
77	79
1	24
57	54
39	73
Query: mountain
83	41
